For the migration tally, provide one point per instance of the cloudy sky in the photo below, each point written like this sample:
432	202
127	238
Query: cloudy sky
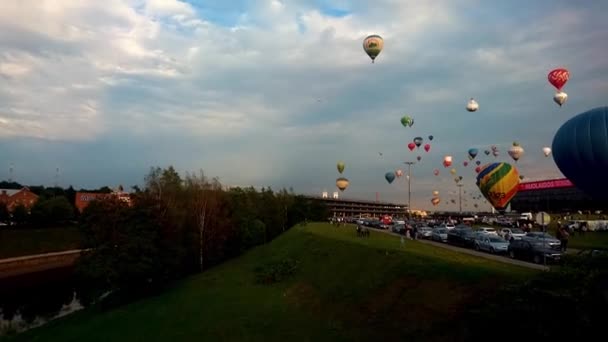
271	92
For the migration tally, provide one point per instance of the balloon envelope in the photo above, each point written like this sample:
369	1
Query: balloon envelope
580	150
399	173
473	152
372	45
411	146
340	166
418	141
427	147
498	182
558	77
560	98
430	137
342	183
516	152
390	177
546	151
435	200
436	172
407	121
472	105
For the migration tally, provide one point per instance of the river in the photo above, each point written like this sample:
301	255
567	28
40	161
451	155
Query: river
31	300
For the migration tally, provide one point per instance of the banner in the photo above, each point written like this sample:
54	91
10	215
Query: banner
547	184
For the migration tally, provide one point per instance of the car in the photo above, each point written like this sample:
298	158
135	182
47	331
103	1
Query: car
487	230
540	237
492	243
516	233
530	250
461	237
440	234
450	226
398	228
425	232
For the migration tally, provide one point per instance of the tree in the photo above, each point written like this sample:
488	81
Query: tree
20	215
4	213
52	210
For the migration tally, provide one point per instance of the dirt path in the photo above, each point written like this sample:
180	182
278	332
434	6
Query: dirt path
495	257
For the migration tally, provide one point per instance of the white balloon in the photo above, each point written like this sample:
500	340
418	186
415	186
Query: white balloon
472	105
516	152
546	151
560	98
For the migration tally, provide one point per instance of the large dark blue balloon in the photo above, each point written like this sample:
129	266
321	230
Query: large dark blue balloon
580	150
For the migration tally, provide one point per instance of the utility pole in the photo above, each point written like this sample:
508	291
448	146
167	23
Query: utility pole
460	196
409	188
10	172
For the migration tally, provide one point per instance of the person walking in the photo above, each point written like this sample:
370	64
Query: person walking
563	237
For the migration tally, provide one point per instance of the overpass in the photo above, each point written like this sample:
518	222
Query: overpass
349	208
17	266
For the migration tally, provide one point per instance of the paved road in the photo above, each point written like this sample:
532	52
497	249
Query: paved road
494	257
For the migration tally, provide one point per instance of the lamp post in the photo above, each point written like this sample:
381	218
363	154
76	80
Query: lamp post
460	196
409	188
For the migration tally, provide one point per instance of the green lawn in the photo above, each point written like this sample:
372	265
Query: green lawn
590	240
18	242
345	289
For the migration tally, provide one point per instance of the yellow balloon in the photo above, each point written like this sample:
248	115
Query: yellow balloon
342	183
373	46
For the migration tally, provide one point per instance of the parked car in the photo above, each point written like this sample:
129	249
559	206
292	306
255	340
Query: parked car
491	243
450	226
439	234
398	228
487	230
425	232
541	237
537	252
516	233
461	237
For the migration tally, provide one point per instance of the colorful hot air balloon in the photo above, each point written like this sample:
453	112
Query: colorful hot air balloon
495	153
436	172
342	183
430	137
398	173
418	141
390	177
516	151
580	151
453	171
435	200
560	98
427	147
447	161
558	78
456	179
521	177
411	146
407	121
477	169
340	166
473	153
419	158
498	182
472	105
465	163
373	46
546	151
460	178
487	152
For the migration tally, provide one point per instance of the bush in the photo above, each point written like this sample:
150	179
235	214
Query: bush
275	272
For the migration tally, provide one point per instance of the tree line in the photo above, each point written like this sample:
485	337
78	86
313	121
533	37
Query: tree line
176	226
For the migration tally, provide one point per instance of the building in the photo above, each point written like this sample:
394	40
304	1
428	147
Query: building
356	208
84	198
15	197
554	195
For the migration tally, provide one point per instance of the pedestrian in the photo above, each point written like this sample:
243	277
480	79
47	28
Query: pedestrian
402	241
564	235
415	231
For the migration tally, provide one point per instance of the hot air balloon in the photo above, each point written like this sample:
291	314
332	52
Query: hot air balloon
580	151
478	162
560	98
456	179
453	171
419	158
546	151
427	147
487	152
495	153
494	148
472	105
435	193
477	169
435	200
398	173
436	172
465	163
407	121
342	183
418	141
516	151
390	177
460	178
447	161
430	137
558	78
498	182
473	153
373	46
521	177
411	146
340	166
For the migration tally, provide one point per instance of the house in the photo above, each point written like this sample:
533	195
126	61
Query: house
14	197
84	198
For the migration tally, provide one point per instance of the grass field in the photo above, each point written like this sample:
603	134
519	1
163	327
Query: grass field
18	242
590	240
344	289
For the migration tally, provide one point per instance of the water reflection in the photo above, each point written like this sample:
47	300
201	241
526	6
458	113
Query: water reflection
32	300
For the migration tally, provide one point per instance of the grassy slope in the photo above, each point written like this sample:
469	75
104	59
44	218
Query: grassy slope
18	242
346	288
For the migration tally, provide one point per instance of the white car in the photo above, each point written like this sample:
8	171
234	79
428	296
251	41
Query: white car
516	233
487	231
450	226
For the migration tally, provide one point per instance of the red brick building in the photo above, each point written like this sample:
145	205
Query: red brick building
84	198
14	197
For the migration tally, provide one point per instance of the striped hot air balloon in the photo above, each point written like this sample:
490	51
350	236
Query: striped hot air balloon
498	182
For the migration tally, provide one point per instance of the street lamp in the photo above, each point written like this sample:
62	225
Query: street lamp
460	196
409	187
